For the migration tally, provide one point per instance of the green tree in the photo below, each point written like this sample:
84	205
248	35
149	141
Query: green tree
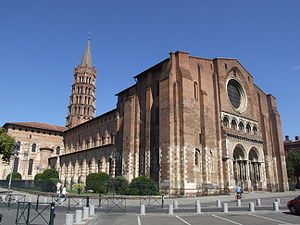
293	164
118	185
7	144
143	186
50	173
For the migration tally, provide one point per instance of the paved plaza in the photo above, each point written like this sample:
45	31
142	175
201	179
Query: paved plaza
127	212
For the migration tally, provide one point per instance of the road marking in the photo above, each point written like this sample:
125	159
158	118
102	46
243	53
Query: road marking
226	219
139	220
183	220
267	218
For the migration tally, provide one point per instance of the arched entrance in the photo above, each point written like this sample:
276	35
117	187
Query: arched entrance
239	165
254	168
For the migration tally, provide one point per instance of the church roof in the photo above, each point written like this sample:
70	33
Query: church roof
87	57
37	125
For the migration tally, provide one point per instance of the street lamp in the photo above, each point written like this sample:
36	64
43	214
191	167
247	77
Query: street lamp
14	155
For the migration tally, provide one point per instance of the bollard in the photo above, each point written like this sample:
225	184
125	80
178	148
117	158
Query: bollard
92	210
142	211
170	208
69	219
258	203
238	203
87	201
251	207
225	207
275	206
218	203
45	199
29	198
175	204
198	206
85	212
278	200
162	201
78	216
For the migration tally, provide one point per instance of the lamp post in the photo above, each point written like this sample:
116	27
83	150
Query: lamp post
15	155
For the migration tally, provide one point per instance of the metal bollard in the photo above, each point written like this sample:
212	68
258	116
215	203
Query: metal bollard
275	206
218	203
251	207
85	212
78	216
170	208
69	219
225	207
278	200
142	211
198	206
92	210
175	204
258	203
45	199
238	203
29	198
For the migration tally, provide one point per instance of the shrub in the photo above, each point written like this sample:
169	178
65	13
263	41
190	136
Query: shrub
15	176
143	186
98	182
78	187
118	185
50	173
38	176
292	187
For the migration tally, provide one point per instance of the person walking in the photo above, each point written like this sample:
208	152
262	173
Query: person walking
239	191
64	192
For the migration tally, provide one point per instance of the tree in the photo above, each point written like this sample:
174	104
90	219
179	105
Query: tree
50	173
293	164
143	186
15	176
7	144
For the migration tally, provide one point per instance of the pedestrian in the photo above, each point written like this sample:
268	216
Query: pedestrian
238	192
58	186
64	192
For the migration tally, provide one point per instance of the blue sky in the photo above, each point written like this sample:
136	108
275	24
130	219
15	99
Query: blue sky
42	41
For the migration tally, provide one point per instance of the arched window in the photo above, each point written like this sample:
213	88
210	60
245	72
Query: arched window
86	90
248	128
241	126
99	165
233	124
197	157
254	130
33	147
195	90
30	166
225	122
57	150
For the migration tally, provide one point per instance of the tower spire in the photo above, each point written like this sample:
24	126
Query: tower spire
87	57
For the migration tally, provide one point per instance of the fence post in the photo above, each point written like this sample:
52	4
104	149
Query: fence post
162	201
69	203
9	199
37	203
87	201
52	214
28	213
100	198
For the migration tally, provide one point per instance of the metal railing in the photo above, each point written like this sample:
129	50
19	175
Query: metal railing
12	199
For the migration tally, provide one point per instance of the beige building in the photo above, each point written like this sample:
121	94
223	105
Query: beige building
38	142
189	123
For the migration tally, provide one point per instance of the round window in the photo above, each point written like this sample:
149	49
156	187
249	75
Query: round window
236	95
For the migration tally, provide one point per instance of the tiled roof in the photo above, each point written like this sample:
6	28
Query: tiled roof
37	125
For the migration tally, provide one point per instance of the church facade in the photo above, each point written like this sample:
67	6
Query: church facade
189	123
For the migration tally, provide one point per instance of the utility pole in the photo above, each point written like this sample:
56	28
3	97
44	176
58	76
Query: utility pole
14	155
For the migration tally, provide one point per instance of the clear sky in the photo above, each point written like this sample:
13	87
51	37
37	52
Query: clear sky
41	41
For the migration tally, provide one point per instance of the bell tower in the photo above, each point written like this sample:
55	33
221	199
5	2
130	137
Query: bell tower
82	100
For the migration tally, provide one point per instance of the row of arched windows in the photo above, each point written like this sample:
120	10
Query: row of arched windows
239	126
86	90
78	100
93	142
82	79
82	110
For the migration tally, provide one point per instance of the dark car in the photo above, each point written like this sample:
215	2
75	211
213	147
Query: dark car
294	205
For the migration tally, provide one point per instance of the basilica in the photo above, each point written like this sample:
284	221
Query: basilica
191	124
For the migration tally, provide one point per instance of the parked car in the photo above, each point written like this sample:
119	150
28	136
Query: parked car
294	205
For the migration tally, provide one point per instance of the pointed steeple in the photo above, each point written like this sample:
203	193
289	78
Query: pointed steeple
87	57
